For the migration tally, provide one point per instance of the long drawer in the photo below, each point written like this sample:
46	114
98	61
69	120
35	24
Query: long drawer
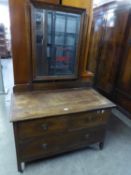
61	124
46	146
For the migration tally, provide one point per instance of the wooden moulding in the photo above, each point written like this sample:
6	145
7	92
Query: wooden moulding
52	85
49	1
81	41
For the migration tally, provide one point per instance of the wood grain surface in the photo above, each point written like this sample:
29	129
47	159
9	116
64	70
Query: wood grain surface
39	104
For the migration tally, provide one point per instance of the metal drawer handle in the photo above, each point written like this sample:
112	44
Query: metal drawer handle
100	111
87	136
44	127
103	111
44	146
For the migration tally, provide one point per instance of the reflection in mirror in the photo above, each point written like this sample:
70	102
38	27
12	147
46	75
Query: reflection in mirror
56	35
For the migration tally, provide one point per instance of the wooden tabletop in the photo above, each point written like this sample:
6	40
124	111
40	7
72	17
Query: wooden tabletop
39	104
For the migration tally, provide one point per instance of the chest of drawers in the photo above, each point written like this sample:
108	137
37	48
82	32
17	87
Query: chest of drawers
51	123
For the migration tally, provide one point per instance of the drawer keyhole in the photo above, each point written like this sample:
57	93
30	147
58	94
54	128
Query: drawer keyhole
87	136
44	146
44	127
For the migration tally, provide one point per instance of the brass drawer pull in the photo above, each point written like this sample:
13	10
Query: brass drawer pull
44	127
44	146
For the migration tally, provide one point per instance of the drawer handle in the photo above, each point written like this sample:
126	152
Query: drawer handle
44	146
103	111
87	136
44	127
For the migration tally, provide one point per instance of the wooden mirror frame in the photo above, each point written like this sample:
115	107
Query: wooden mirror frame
82	13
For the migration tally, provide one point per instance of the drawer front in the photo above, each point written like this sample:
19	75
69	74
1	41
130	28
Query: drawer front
40	127
43	147
61	124
87	120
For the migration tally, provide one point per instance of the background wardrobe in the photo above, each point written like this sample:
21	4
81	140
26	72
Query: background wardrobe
110	52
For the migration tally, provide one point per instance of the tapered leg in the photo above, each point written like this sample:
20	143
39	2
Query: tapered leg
20	167
101	145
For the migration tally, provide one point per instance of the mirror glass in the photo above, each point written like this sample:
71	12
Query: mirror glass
56	36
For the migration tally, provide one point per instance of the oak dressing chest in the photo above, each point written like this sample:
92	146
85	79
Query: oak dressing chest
52	122
53	109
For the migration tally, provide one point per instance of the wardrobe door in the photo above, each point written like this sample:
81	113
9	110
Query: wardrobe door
110	50
98	27
123	88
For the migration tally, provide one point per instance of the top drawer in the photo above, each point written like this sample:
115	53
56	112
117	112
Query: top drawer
39	127
86	120
60	124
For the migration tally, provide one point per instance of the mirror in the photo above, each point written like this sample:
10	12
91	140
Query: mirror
56	35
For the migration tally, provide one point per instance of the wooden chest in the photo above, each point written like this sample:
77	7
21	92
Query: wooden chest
54	122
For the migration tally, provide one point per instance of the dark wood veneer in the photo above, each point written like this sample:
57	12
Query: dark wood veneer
110	52
65	116
58	121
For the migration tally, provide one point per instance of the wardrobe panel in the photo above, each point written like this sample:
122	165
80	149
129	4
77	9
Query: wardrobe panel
124	82
95	40
111	45
110	55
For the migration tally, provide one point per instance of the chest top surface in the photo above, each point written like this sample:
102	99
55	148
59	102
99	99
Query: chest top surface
39	104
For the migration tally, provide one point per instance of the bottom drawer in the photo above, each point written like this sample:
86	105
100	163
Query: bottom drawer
44	147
